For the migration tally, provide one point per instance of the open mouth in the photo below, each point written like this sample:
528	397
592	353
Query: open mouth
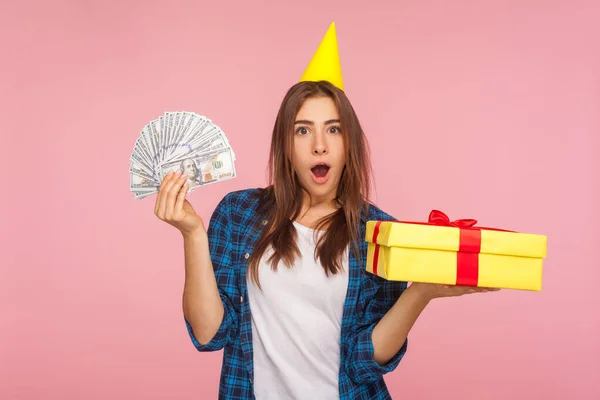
320	172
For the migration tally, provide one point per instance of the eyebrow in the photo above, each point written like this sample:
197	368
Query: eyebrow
307	122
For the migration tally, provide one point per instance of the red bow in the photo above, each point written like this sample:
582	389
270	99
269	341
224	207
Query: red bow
437	217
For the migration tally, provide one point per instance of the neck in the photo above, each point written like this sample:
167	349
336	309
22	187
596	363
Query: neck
318	202
315	208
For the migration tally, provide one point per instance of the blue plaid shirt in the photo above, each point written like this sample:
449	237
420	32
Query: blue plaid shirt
233	231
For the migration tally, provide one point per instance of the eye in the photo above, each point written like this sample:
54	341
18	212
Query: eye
335	129
302	130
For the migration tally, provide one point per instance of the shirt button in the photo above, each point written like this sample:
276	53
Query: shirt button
247	256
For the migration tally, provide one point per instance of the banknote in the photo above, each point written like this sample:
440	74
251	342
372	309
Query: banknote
179	141
204	168
141	183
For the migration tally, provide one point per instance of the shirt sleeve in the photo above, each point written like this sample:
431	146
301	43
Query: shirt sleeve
361	366
221	254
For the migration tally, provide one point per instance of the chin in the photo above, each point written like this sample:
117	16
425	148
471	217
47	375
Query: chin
324	190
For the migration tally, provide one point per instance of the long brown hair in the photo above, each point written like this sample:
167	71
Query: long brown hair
282	200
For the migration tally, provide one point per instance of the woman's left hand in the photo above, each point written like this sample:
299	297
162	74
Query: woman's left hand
433	290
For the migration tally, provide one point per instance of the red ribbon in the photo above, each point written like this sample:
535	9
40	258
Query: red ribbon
376	256
467	257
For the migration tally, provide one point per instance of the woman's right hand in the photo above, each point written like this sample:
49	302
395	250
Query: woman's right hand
172	206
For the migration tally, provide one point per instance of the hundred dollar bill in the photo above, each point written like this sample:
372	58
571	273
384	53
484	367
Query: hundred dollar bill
161	136
154	128
142	151
172	120
203	169
183	123
205	142
140	163
137	169
211	139
215	139
207	131
209	146
187	123
139	183
200	131
147	135
141	195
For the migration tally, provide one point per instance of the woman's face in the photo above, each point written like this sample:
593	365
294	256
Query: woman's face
318	146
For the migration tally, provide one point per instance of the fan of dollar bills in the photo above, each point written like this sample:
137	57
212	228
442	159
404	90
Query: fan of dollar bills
180	141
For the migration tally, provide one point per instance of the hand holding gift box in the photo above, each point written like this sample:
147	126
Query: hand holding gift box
455	253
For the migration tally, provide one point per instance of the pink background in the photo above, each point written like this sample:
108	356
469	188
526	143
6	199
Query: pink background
486	110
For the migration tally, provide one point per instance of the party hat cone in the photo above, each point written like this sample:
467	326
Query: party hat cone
325	63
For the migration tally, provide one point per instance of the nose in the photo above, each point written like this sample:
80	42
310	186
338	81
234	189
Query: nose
320	151
319	144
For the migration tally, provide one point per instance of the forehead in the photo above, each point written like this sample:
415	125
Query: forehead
318	109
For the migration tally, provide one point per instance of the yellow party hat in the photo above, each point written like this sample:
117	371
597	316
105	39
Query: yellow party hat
325	64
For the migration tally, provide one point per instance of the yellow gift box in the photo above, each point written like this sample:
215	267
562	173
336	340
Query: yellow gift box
455	253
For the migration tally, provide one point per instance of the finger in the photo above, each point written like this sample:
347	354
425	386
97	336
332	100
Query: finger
159	196
462	290
486	289
172	195
165	194
165	180
181	198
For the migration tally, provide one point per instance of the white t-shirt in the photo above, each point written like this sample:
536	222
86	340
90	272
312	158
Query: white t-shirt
296	325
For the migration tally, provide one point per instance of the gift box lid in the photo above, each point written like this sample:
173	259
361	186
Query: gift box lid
439	233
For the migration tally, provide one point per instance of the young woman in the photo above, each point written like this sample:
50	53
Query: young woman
278	280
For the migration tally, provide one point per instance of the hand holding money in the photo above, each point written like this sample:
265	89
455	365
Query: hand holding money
180	142
172	207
